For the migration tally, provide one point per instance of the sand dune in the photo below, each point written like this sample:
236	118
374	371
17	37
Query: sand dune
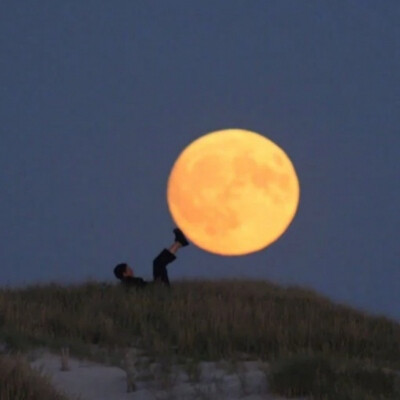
94	381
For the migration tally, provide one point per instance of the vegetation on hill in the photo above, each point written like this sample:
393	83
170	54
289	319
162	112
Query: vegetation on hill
209	321
19	382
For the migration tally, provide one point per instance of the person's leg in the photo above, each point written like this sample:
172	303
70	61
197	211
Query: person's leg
166	256
174	248
160	263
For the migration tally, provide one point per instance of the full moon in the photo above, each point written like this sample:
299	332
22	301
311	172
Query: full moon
233	192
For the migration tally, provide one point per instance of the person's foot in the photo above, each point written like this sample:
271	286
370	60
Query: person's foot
180	237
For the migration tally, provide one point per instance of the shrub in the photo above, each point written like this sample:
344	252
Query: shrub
19	382
325	378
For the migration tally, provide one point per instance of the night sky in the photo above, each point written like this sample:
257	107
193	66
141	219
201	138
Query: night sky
98	99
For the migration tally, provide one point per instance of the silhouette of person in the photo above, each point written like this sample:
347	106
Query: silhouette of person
125	274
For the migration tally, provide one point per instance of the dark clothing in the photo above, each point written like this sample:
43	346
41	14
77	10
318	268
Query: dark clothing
130	281
160	273
160	263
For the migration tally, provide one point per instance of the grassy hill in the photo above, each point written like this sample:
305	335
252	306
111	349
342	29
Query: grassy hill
314	345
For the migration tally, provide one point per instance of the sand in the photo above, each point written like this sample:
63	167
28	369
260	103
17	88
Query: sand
94	381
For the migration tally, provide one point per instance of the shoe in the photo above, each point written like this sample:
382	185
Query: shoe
180	237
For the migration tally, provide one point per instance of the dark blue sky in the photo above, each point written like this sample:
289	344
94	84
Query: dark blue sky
98	98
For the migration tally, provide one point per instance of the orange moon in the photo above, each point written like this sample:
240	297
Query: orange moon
233	192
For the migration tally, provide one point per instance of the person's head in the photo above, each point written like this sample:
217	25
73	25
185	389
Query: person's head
122	271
